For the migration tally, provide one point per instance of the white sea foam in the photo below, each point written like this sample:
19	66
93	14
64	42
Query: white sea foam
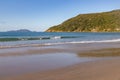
74	42
58	43
102	41
56	37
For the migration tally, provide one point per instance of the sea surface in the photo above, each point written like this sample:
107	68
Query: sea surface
26	39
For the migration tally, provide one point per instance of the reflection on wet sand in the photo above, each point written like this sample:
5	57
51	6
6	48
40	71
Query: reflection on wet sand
13	65
110	52
23	61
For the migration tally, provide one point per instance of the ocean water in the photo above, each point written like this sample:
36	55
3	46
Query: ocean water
26	39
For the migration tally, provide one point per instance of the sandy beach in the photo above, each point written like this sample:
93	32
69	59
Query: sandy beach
59	40
105	68
100	70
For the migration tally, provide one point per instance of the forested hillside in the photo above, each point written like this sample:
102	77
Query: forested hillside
94	22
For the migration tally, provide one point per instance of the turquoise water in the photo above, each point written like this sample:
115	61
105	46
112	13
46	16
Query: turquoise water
16	39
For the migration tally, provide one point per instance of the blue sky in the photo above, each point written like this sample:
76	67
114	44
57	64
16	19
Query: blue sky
39	15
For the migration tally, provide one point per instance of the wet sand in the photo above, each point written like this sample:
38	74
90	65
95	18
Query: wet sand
103	69
100	70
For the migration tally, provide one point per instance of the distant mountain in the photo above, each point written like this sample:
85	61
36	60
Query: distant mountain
94	22
21	30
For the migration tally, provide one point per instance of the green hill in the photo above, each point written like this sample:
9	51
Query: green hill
94	22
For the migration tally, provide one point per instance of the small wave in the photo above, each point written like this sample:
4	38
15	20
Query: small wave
56	37
57	43
73	42
101	41
36	38
22	39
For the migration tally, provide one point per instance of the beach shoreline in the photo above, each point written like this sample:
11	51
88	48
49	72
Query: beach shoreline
102	69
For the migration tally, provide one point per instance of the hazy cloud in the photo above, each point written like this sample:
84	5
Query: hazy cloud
2	22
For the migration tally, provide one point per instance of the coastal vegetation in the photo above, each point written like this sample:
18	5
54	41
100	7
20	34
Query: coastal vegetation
94	22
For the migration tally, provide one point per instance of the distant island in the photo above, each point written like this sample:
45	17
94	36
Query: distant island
94	22
20	30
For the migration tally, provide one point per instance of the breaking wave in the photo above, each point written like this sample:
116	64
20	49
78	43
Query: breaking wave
57	43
